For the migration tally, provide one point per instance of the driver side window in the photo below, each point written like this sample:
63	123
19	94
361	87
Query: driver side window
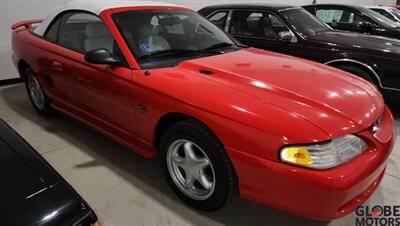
257	24
219	18
82	32
339	17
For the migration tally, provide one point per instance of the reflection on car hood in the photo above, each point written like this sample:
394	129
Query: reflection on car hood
32	192
17	179
359	41
331	99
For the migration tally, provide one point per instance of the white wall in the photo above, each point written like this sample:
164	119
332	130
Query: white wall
12	11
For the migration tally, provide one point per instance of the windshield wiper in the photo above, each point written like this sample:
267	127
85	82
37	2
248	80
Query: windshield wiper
224	44
171	52
210	50
165	52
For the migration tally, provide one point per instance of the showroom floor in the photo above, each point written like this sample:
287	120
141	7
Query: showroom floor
126	189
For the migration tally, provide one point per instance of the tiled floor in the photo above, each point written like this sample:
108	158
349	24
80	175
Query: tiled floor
125	189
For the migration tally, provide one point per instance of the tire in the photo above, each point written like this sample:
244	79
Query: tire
205	145
357	71
38	98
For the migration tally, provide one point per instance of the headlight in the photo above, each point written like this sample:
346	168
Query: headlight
326	155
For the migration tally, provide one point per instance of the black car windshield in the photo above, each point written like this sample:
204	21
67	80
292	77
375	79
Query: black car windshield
304	22
395	11
381	20
156	36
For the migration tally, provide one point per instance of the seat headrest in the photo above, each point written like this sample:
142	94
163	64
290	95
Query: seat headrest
265	20
149	30
97	30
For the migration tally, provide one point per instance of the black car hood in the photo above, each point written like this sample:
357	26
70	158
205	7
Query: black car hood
31	191
18	181
361	41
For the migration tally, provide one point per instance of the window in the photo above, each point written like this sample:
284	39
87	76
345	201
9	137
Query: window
171	28
395	12
378	19
347	19
219	18
256	24
163	38
84	32
384	13
52	32
338	16
329	15
304	22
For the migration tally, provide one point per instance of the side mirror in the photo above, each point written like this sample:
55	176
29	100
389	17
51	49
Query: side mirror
101	56
365	26
285	36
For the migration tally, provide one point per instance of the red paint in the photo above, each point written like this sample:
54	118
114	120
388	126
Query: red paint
27	24
255	101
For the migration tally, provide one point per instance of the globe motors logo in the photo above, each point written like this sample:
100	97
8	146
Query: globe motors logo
378	215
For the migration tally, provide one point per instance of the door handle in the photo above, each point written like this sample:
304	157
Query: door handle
83	79
56	65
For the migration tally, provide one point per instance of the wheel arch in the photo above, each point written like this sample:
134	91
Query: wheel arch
169	119
365	66
165	122
22	66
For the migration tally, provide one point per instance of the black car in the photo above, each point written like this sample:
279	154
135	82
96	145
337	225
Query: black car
32	192
389	12
294	31
358	19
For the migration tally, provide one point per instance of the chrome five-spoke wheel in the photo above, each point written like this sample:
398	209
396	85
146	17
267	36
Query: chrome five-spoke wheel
191	169
36	94
35	91
197	166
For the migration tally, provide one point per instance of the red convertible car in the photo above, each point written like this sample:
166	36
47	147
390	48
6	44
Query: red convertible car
160	79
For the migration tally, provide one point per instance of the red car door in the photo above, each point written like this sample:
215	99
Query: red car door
110	98
58	69
103	95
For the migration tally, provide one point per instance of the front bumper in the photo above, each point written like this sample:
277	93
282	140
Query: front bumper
317	194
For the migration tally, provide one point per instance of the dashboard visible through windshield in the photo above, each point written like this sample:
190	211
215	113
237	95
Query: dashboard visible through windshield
163	38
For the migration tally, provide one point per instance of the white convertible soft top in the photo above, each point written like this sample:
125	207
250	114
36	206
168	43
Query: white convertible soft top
93	6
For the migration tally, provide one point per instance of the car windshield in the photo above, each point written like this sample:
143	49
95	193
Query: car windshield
155	36
381	20
304	22
396	12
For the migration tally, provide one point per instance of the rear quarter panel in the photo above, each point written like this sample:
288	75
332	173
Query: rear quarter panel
39	53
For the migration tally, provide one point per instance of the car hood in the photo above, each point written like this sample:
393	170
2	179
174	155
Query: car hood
23	173
17	179
359	41
333	100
